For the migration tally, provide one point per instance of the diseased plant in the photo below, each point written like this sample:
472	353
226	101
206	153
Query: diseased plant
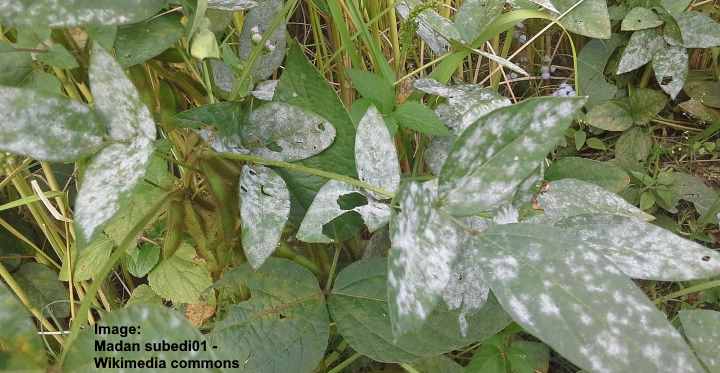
204	183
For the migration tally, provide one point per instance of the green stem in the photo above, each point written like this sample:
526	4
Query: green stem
304	169
344	364
284	251
690	290
130	239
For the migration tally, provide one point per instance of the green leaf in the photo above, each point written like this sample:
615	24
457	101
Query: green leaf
204	45
702	329
570	197
301	85
591	68
590	18
671	68
227	117
374	88
416	116
257	21
476	178
90	261
156	323
43	289
142	259
698	30
633	148
137	43
326	207
640	50
699	111
437	364
103	35
596	143
375	154
112	174
475	15
58	56
22	347
639	19
180	278
232	5
579	137
642	250
604	174
264	209
14	66
645	103
286	306
143	294
578	303
48	127
359	306
50	13
44	82
704	91
529	357
610	116
675	7
693	189
286	132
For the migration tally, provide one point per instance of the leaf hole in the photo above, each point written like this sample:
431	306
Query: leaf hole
282	316
252	171
666	80
243	188
264	192
320	126
706	258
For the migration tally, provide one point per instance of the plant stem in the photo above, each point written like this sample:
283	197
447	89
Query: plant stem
690	290
304	169
284	251
344	364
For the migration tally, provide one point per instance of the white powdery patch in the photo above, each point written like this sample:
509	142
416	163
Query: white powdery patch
507	214
264	210
226	144
257	21
375	154
287	133
47	127
424	246
642	250
467	289
232	5
671	68
433	28
65	13
265	90
640	50
702	328
698	30
325	208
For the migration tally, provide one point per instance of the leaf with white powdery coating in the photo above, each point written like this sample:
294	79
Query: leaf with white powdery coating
671	69
375	154
286	306
48	127
264	210
640	50
113	173
698	30
579	303
591	18
642	250
494	155
639	19
58	14
475	15
232	5
702	329
257	21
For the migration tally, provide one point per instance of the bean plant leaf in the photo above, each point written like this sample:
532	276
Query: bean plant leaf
140	42
286	306
705	92
375	153
359	306
326	207
610	116
592	61
58	56
693	189
375	88
675	7
475	176
645	103
702	329
155	322
89	261
113	173
265	90
232	5
633	148
286	132
434	29
143	294
142	259
604	174
579	303
180	278
642	250
571	197
48	127
257	21
416	116
264	209
698	30
45	292
51	13
639	19
475	15
591	18
671	68
14	66
22	347
640	50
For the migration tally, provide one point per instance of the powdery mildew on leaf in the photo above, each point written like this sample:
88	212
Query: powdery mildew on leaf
265	90
325	207
375	154
222	144
466	291
640	18
570	197
579	303
474	16
432	28
286	132
48	127
671	68
547	4
702	329
223	75
497	153
425	243
232	5
54	13
264	210
642	250
640	50
590	18
257	21
114	172
698	30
